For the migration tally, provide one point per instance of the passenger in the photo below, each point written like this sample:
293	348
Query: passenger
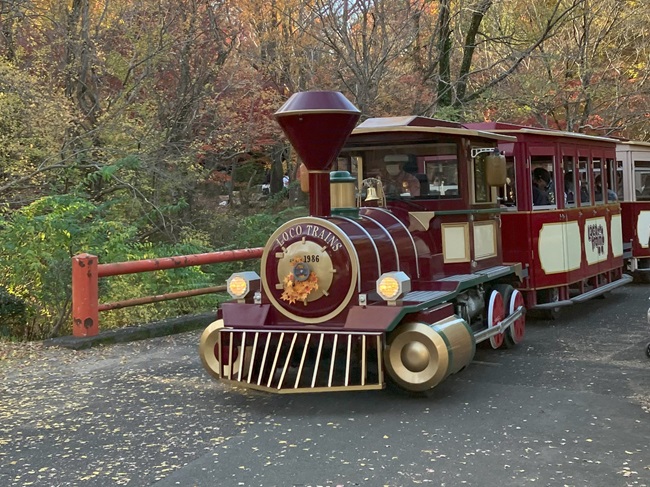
550	191
645	190
541	180
584	192
611	195
619	185
569	187
398	182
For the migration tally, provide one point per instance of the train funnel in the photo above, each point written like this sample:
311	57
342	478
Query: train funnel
317	123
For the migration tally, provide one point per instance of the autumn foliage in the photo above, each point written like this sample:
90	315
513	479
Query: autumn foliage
157	112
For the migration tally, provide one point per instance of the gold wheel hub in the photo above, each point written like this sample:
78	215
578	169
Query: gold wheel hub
415	356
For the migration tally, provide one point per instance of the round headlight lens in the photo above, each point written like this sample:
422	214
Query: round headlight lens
388	288
237	287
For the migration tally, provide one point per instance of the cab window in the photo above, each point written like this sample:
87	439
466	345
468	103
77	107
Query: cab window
507	193
442	174
642	180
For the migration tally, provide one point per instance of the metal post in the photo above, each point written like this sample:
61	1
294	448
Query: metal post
85	295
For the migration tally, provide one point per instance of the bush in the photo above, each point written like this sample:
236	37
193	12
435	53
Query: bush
12	314
39	241
116	288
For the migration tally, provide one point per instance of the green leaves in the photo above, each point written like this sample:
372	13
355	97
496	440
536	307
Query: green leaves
108	172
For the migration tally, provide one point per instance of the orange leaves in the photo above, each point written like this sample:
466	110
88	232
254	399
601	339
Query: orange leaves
298	290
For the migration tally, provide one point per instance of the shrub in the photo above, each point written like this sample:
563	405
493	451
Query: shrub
39	241
12	314
116	288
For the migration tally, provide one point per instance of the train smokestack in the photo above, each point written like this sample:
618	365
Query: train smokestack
317	123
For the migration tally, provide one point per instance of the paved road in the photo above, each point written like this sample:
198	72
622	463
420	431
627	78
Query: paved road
570	406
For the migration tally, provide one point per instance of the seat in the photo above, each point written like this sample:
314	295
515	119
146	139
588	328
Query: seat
424	184
411	165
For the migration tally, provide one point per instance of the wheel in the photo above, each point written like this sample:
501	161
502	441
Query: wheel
647	350
512	299
496	313
210	354
641	277
416	358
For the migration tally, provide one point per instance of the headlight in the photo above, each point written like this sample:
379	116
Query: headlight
393	286
240	284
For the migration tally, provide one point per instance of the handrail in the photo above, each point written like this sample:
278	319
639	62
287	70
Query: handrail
86	271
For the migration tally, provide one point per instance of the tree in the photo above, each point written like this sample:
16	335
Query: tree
33	125
464	51
277	57
595	72
136	75
361	39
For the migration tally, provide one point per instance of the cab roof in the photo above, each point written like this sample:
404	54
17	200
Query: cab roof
511	128
417	124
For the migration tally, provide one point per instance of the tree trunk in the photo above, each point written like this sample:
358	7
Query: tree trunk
444	92
468	50
81	82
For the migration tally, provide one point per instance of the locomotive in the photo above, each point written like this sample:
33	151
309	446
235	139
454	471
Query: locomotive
396	274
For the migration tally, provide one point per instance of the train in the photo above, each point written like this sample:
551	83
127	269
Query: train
633	175
573	244
425	238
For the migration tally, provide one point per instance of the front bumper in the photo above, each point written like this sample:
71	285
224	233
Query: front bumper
290	361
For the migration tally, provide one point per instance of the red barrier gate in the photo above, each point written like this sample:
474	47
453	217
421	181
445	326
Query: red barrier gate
86	271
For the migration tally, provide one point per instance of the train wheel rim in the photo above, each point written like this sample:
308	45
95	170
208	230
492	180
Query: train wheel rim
517	331
496	312
416	357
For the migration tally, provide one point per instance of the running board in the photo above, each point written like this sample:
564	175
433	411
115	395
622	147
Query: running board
625	279
553	305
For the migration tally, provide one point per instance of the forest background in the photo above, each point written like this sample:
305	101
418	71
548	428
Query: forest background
127	125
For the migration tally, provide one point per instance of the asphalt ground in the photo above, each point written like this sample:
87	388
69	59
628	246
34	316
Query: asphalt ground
568	407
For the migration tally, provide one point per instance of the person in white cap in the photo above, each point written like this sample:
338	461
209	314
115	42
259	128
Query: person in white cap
398	182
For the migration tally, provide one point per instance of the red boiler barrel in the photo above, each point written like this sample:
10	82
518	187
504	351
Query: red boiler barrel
312	268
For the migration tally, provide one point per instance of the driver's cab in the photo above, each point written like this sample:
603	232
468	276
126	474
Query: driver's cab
423	162
421	172
439	179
